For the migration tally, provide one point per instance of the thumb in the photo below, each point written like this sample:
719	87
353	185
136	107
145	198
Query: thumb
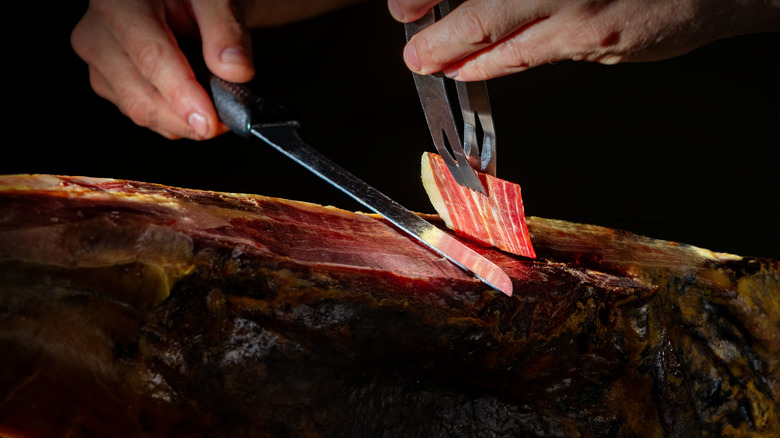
227	46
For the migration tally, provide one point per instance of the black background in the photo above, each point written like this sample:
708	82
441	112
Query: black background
684	149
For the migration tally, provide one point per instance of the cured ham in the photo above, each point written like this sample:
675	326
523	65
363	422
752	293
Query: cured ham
497	219
132	309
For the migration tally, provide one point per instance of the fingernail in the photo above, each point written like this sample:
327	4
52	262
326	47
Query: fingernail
451	72
198	122
395	11
410	55
611	59
234	55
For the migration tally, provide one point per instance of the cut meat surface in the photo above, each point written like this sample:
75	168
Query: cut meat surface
497	219
130	309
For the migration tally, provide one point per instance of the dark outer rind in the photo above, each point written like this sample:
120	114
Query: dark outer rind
122	319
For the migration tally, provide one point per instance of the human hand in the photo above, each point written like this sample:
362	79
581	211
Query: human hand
483	39
135	62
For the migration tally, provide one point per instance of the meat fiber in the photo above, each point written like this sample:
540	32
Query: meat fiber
136	310
495	219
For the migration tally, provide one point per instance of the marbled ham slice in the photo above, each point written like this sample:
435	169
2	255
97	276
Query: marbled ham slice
494	220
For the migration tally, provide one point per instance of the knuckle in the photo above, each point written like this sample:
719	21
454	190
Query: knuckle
505	58
83	41
148	56
426	51
472	27
230	28
168	134
597	42
177	94
137	109
479	69
518	55
431	55
99	85
78	40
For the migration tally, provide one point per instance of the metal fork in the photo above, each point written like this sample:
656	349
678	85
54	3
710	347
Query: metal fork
475	106
465	155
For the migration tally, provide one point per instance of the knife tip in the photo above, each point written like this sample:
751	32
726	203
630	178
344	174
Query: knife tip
500	281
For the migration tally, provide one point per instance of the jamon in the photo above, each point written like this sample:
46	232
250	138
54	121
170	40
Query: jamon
130	309
497	219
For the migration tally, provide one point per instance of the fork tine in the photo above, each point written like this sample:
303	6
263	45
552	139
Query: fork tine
438	113
475	106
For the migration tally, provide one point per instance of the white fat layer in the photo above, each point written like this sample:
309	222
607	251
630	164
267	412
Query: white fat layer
432	189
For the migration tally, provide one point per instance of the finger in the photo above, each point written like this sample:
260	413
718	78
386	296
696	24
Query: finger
139	101
165	123
114	77
100	85
471	27
565	35
226	40
407	11
152	49
531	46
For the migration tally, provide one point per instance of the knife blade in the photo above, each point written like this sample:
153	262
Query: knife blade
248	116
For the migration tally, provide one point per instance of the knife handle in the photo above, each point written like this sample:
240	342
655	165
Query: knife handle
238	107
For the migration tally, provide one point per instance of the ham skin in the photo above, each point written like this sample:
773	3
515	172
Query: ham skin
497	219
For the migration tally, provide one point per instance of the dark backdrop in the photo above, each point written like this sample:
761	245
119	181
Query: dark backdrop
683	149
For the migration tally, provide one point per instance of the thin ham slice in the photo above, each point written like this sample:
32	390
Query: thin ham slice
497	219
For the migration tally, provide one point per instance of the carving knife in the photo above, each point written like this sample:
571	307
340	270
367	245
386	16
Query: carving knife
248	115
